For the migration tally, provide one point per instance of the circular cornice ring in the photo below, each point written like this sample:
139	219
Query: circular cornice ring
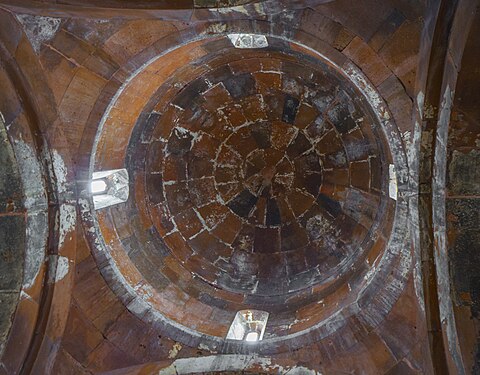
388	275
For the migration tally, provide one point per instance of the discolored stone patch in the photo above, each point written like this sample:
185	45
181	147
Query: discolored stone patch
290	109
243	203
12	234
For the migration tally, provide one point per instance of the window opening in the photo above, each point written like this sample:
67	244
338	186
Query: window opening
248	325
98	187
109	187
248	40
392	185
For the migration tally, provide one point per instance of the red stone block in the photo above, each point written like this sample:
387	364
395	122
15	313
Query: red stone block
305	116
188	223
81	337
366	58
360	175
182	249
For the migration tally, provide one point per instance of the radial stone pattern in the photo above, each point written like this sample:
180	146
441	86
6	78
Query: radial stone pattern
250	144
258	180
239	186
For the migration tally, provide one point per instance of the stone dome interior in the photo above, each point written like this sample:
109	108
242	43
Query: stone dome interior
261	181
238	186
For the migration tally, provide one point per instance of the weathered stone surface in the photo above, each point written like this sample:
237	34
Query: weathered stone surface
8	300
257	181
11	191
12	235
464	175
463	251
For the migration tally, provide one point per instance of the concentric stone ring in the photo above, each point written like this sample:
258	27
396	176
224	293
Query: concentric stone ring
264	178
255	166
259	179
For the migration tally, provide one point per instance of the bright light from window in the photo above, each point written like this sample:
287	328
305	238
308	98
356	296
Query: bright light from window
392	188
248	40
109	187
98	186
248	325
252	336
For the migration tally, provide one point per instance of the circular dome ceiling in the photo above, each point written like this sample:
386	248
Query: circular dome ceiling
258	179
250	163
